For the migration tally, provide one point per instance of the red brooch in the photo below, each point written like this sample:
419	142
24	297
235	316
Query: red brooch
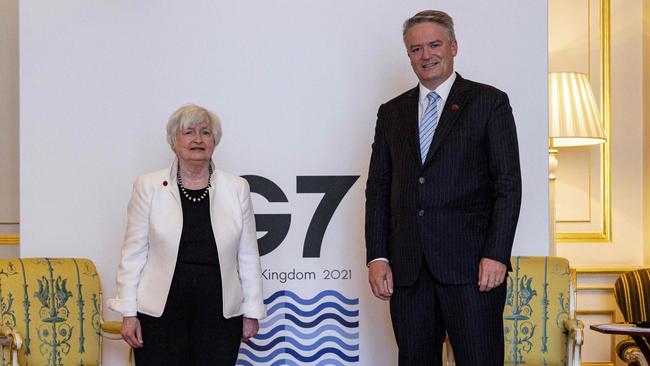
165	183
454	107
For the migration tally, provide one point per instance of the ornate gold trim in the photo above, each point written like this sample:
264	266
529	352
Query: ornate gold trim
611	313
9	239
595	288
605	235
605	270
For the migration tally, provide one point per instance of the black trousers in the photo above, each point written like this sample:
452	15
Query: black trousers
422	312
192	329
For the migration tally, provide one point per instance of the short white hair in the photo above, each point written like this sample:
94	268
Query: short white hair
190	115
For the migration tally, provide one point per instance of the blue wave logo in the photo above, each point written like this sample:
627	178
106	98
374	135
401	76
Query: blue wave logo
323	330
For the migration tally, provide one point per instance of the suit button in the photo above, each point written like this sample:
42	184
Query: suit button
421	213
421	180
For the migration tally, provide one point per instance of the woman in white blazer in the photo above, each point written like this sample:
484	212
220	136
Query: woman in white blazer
189	281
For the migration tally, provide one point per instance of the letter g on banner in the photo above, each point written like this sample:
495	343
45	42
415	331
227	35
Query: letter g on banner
275	225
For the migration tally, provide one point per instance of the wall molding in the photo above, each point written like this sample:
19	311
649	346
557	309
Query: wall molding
612	355
605	270
9	239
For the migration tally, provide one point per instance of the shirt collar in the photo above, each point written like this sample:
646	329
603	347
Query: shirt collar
442	90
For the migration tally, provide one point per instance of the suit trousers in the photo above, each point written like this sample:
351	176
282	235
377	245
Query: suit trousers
423	311
192	329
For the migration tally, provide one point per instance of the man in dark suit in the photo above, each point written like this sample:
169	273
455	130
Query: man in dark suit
442	204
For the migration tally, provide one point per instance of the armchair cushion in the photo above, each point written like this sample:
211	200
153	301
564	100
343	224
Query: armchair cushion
540	327
632	290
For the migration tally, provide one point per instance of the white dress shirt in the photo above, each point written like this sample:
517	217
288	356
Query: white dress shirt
443	92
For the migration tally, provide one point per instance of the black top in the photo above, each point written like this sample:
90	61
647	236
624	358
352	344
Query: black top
198	245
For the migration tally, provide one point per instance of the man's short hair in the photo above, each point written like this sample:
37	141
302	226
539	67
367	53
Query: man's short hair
431	16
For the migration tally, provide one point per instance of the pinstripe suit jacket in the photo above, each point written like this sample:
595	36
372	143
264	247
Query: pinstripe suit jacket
460	205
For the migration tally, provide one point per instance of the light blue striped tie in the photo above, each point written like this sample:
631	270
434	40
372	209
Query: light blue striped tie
429	124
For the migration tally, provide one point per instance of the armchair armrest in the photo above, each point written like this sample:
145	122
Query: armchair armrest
575	329
111	330
575	338
14	341
628	351
449	353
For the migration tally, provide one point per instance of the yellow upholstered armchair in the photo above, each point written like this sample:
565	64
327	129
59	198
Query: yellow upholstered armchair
632	292
51	312
539	322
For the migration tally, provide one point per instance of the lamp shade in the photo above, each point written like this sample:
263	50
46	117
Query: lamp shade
573	118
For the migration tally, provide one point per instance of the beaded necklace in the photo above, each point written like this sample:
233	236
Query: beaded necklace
184	191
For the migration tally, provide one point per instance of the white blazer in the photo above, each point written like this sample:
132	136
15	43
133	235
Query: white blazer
152	238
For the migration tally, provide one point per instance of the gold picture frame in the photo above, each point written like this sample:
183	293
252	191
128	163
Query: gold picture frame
604	196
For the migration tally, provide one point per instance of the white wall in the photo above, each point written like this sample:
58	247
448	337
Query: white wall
297	85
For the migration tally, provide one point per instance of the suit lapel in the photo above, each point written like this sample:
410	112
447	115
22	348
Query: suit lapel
410	115
452	110
221	214
173	186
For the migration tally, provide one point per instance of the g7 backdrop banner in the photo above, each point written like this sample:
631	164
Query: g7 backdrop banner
297	85
313	306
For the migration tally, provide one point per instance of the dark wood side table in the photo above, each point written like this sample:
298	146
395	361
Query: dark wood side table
640	335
